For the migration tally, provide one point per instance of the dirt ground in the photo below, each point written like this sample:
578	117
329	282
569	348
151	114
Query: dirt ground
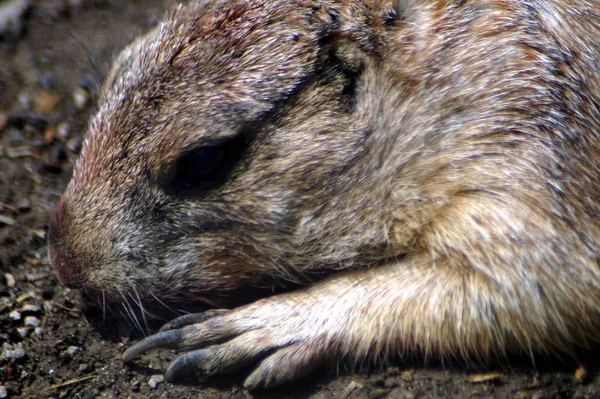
52	56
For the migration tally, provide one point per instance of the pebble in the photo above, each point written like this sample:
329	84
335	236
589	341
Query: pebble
30	308
15	315
48	306
74	144
11	14
19	152
45	101
73	350
83	368
407	376
351	387
32	321
49	135
63	130
24	99
155	380
10	280
3	392
581	373
6	220
23	332
24	205
135	386
81	98
12	352
484	377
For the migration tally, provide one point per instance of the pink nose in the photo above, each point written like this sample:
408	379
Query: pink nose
64	260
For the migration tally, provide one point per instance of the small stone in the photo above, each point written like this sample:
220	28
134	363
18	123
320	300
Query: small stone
48	306
351	387
15	315
12	352
407	376
581	373
30	309
83	368
484	377
3	392
74	144
19	151
73	350
135	386
23	332
155	380
49	135
81	98
6	220
24	99
38	331
45	101
32	321
62	131
11	15
10	280
24	205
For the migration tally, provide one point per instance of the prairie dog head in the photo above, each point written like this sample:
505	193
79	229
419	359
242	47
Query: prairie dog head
227	152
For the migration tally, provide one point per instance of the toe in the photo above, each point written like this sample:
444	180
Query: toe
168	340
193	318
242	351
285	365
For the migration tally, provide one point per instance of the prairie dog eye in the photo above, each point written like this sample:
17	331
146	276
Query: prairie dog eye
207	166
200	164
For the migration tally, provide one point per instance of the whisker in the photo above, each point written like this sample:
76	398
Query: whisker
90	59
44	192
177	312
140	306
131	313
125	316
104	305
98	76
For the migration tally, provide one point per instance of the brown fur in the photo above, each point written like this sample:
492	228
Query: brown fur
438	161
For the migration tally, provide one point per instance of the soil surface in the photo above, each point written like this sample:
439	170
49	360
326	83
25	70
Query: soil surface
53	54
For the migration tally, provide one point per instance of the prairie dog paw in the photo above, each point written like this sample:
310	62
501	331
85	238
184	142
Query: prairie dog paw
283	339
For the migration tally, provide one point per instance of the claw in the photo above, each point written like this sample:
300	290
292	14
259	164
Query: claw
283	366
193	318
166	339
184	365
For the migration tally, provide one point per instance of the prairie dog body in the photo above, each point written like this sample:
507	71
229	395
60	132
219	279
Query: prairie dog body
431	165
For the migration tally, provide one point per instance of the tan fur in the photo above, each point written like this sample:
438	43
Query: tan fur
431	166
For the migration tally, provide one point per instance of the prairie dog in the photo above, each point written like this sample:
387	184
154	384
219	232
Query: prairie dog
427	172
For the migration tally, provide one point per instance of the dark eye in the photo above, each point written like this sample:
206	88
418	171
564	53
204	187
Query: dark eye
200	163
204	167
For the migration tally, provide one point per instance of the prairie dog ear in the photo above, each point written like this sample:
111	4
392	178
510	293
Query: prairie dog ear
356	31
